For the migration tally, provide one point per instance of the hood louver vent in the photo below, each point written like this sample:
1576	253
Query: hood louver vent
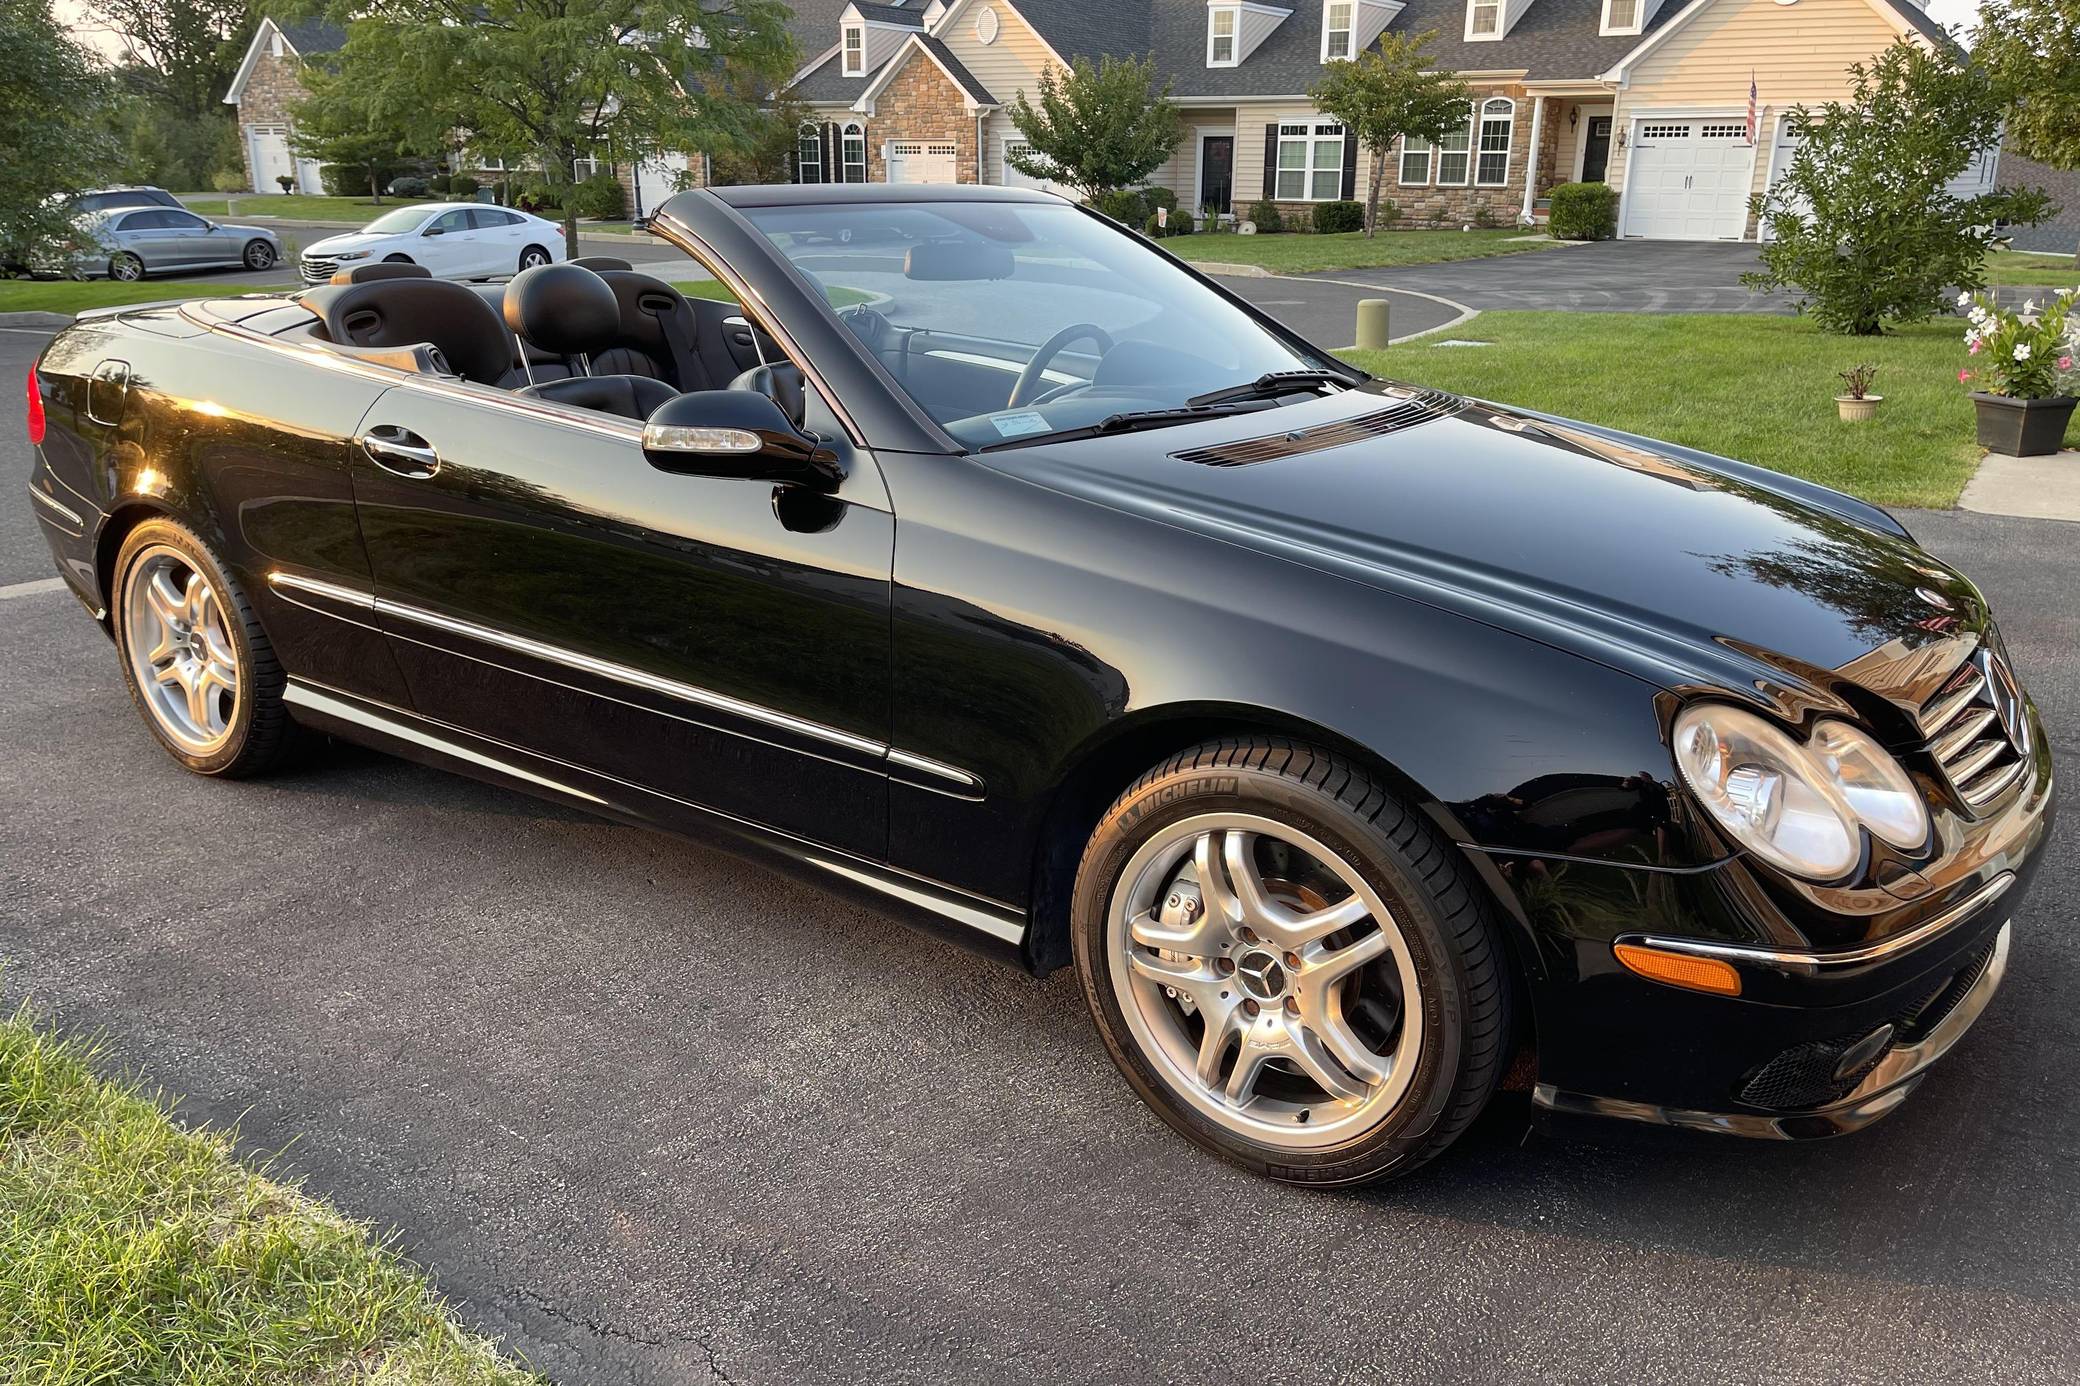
1410	410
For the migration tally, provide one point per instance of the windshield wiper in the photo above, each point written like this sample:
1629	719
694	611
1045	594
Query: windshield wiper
1271	383
1129	422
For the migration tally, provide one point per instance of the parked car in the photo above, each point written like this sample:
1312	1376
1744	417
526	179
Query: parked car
108	199
132	242
453	240
1358	744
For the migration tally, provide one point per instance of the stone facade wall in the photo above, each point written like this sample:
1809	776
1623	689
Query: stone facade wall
274	86
1433	205
1550	174
921	105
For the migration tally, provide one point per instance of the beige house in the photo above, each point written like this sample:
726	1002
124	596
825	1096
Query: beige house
1679	106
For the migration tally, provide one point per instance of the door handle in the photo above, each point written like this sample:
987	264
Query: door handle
401	452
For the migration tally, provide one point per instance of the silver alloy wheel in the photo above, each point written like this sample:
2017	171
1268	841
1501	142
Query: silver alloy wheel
126	267
180	649
1267	983
259	255
531	257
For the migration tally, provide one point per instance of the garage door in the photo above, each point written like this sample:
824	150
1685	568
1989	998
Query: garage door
922	163
1687	180
270	144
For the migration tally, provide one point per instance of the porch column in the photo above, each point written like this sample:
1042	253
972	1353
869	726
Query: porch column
1538	120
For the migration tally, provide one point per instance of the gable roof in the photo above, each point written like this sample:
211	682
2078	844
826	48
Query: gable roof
305	38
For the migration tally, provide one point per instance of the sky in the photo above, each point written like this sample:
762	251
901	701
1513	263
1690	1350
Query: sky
1952	14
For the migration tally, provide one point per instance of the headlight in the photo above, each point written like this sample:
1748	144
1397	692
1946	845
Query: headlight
1797	806
348	255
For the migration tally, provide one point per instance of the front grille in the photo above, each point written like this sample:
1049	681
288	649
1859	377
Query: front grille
1977	729
317	269
1412	408
1811	1074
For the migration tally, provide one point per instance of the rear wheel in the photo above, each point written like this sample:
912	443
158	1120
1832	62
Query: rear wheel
1288	965
196	661
532	256
259	255
126	267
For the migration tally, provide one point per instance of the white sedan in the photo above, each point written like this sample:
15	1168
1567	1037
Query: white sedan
453	240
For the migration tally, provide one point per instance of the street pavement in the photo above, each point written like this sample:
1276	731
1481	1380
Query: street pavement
656	1116
1600	277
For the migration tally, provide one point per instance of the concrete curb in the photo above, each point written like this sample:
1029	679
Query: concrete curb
1225	270
1465	314
51	321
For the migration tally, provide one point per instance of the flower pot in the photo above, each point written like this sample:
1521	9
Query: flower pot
1857	408
2022	427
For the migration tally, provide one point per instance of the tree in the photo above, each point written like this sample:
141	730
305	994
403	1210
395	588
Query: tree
1387	92
335	124
51	125
2032	47
1862	223
556	81
190	49
770	145
1096	129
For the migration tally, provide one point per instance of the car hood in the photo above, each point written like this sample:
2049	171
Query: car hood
1668	563
353	240
247	230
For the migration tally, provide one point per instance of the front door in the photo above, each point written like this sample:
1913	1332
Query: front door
450	246
1596	150
709	639
1216	173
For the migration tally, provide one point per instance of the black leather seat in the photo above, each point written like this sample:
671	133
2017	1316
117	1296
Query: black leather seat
570	312
406	312
381	269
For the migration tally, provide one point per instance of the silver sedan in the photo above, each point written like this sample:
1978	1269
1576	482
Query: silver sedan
131	242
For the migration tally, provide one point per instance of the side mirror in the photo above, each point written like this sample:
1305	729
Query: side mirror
433	231
736	433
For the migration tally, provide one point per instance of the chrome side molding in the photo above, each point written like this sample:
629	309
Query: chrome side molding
950	779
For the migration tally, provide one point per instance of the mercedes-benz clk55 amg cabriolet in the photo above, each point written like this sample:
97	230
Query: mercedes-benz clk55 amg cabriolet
1363	747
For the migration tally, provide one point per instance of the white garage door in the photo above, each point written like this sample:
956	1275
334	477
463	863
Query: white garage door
271	157
1687	180
922	163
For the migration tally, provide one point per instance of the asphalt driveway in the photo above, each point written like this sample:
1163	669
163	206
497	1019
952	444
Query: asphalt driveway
663	1118
1600	277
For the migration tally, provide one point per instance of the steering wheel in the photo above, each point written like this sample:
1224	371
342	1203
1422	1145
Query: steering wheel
1029	378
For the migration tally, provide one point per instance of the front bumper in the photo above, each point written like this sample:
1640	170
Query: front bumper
1897	1069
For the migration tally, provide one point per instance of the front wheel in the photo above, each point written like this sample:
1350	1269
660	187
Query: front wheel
1288	965
196	661
126	267
259	255
532	256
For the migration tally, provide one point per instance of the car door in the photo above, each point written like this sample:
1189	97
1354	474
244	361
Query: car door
448	246
500	235
146	235
718	641
189	241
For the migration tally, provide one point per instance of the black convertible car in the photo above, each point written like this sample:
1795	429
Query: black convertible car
1365	748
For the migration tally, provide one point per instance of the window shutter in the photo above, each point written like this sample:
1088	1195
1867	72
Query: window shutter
833	153
1350	163
1271	161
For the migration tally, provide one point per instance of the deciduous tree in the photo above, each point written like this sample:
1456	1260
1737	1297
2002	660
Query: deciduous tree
51	127
1388	92
1096	129
2033	49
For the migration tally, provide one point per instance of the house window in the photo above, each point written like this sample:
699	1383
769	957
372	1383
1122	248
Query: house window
1336	30
1498	121
1220	37
1415	161
852	149
1621	16
808	155
1452	154
855	50
1310	162
1484	20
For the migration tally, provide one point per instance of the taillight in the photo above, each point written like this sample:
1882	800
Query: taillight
35	408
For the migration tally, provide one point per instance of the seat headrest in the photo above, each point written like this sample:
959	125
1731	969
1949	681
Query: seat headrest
601	262
402	312
565	310
381	269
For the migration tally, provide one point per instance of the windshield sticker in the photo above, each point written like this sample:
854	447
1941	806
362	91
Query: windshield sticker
1019	425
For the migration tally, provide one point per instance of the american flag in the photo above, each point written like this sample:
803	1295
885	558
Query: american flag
1754	111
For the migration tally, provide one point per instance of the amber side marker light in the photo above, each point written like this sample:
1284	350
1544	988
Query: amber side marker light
1680	969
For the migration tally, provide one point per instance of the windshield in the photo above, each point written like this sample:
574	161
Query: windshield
1010	321
403	219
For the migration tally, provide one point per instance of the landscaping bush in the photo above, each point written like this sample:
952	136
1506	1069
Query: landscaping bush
1583	212
442	183
225	181
1265	215
1389	213
1153	229
463	186
1333	217
600	196
411	185
1181	223
543	199
1152	198
1123	205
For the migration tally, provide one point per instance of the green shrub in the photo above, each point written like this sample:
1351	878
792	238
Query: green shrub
1153	229
1123	205
1583	212
1152	198
1331	218
463	186
1389	213
407	186
1265	215
1181	223
442	183
600	196
225	181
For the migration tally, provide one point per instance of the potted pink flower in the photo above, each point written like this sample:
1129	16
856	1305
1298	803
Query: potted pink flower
2025	368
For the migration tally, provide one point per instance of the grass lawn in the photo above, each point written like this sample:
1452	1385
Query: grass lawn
2025	267
134	1250
298	207
1760	389
1300	252
70	296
